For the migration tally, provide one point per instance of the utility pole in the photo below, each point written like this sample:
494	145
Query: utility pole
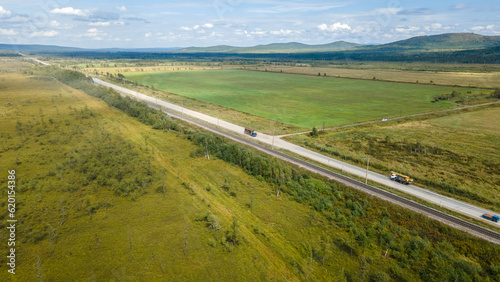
391	241
272	146
367	164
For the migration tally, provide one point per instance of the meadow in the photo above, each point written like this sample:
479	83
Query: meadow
454	75
303	101
457	154
102	196
70	150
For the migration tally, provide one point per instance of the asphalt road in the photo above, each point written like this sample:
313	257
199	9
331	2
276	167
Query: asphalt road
453	221
452	204
432	197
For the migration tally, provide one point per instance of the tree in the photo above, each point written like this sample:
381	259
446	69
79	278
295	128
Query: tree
325	247
233	234
314	132
38	266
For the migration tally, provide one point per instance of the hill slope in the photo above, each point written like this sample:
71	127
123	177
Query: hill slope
291	47
38	48
447	41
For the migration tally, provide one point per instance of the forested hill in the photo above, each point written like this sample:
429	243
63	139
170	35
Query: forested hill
447	41
292	47
440	42
38	48
444	48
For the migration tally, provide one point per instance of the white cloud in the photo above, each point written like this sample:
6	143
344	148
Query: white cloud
407	29
54	23
282	32
195	27
148	34
92	31
334	27
477	28
17	19
387	10
258	32
490	27
215	34
436	26
459	6
8	32
100	24
122	8
4	13
69	11
95	34
49	33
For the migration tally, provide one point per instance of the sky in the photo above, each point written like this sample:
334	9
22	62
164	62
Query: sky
150	24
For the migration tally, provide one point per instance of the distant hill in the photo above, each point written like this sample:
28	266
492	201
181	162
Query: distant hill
292	47
450	47
38	48
58	49
136	49
447	41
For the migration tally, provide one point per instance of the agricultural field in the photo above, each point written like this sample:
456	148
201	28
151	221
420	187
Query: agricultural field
458	154
102	196
301	101
476	77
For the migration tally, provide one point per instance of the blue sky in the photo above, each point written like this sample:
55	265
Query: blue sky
145	24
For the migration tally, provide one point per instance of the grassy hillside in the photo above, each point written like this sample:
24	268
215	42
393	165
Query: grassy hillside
303	101
447	41
102	196
84	218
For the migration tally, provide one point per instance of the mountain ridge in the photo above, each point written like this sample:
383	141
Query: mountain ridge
425	43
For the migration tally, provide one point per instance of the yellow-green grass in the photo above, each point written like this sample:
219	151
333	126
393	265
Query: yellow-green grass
473	78
163	67
13	64
466	75
237	117
459	150
143	239
303	101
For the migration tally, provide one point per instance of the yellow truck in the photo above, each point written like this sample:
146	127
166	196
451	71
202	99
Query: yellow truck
401	178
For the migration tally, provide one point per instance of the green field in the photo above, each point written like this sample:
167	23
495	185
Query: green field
457	154
103	196
304	101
